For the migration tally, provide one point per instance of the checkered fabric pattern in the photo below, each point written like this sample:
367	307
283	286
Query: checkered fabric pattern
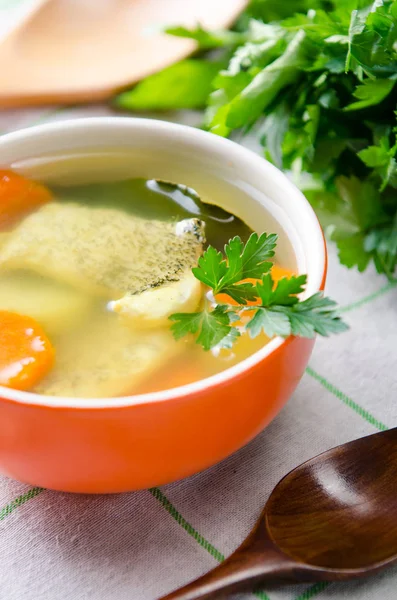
141	545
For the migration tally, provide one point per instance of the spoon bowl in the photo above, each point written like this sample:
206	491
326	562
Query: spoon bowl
338	511
332	518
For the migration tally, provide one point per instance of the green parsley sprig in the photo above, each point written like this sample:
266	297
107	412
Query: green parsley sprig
279	310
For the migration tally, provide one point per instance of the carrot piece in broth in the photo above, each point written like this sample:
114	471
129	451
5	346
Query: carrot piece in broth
18	197
26	354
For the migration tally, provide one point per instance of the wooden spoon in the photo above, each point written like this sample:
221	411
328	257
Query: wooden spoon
332	518
85	50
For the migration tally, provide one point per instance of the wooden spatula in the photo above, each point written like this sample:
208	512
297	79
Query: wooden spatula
85	50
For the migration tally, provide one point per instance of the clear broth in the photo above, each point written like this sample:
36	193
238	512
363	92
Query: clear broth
94	353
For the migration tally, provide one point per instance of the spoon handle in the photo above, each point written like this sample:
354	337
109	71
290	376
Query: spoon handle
256	561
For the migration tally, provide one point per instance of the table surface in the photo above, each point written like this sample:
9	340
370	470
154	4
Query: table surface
141	545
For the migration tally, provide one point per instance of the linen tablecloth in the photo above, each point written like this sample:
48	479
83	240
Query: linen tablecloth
141	545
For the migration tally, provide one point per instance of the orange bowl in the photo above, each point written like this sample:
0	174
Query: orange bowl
122	444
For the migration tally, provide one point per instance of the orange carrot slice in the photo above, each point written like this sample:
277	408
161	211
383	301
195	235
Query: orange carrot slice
26	354
280	272
18	197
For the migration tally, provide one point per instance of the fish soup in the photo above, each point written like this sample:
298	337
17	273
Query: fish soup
95	257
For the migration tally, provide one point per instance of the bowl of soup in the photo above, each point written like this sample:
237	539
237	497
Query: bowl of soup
107	218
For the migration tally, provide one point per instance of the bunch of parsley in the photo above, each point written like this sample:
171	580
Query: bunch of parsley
317	81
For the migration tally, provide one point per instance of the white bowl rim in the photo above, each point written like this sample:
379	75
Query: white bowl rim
204	140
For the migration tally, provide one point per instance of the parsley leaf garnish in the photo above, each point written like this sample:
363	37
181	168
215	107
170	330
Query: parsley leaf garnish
224	275
213	327
277	309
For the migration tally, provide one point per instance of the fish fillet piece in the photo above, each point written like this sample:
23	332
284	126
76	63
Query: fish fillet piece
152	307
107	359
55	306
103	251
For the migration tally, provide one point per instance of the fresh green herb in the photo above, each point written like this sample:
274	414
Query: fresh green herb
183	85
213	327
208	39
243	262
277	310
317	80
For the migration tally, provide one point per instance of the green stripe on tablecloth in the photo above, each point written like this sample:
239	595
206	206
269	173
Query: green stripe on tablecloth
9	508
386	288
175	514
346	400
261	595
170	508
313	591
